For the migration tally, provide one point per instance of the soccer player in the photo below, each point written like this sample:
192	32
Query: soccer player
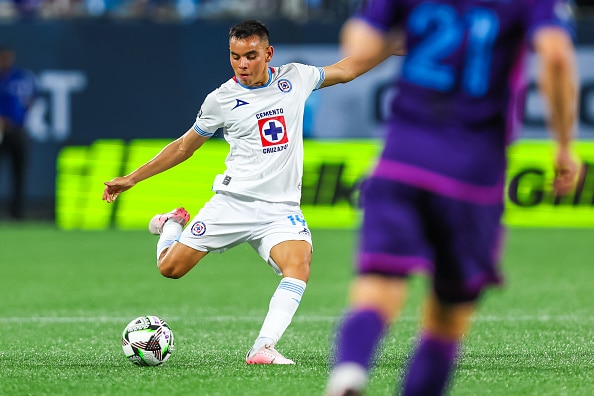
435	199
257	199
18	90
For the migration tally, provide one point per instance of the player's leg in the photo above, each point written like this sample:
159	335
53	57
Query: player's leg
173	259
285	243
16	140
466	237
392	245
293	259
375	301
178	260
433	361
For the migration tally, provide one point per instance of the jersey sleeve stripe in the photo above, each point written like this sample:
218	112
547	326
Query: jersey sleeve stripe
322	77
201	132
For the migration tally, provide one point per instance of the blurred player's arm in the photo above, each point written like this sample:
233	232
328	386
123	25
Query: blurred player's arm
171	155
557	82
365	47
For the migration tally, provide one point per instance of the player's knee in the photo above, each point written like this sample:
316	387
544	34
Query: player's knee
293	258
448	319
305	270
299	269
170	270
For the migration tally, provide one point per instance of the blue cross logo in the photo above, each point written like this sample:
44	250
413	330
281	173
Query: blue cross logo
273	131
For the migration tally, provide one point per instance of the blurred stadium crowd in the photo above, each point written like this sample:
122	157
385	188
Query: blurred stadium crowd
176	10
190	10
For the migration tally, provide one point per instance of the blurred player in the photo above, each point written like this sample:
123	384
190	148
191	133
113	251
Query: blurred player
18	90
258	197
435	199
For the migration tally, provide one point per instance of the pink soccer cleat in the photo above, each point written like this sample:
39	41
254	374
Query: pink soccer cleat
179	215
267	355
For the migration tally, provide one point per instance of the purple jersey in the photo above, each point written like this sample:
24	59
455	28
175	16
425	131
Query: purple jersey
457	89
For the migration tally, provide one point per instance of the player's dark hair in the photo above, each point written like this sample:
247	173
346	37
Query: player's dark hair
249	28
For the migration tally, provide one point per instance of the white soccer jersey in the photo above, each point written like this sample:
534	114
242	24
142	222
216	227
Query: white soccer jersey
264	129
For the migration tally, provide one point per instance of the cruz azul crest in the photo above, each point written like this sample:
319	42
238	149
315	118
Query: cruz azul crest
273	131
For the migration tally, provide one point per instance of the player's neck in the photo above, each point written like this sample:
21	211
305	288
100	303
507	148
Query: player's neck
267	75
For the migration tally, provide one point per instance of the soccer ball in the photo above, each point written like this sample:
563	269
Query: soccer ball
147	341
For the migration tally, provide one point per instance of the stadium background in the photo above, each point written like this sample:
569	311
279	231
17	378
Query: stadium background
115	88
111	81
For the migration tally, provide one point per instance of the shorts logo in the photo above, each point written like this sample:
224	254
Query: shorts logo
285	85
273	131
198	228
305	231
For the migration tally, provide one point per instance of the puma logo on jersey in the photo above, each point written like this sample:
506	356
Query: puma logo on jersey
240	103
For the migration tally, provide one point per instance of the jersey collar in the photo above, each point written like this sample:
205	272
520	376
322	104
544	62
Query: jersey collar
270	73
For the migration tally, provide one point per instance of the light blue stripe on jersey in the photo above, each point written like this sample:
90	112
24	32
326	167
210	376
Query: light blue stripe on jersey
201	132
322	77
292	287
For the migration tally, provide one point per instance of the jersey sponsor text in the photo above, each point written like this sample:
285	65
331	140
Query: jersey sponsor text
274	149
269	113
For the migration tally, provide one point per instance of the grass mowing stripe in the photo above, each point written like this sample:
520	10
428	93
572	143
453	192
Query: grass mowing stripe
303	319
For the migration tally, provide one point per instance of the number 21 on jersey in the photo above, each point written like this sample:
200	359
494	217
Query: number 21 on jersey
442	30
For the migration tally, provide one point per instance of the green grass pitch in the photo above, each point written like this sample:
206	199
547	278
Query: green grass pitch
66	297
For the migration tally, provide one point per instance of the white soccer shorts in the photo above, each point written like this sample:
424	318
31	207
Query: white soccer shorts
227	220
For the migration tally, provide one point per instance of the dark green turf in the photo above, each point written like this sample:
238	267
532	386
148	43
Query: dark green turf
66	297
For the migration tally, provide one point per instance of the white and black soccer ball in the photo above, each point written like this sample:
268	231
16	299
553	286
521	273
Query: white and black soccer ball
148	341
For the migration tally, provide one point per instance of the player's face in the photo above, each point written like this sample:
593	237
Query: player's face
249	60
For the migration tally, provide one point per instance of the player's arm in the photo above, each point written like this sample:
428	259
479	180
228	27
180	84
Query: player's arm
171	155
365	47
557	82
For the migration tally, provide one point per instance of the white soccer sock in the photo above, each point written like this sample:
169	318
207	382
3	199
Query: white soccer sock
171	231
283	305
